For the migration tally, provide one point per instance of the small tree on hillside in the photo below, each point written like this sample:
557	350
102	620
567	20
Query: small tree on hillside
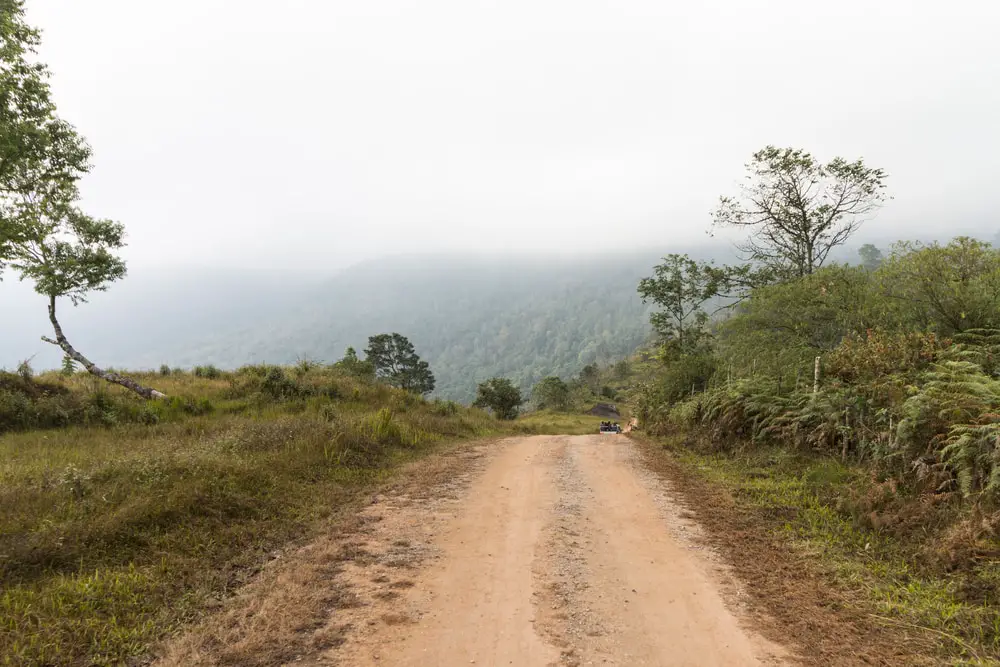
397	363
500	396
797	209
681	286
552	393
871	257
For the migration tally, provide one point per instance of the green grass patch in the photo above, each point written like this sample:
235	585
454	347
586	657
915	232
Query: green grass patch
547	422
812	502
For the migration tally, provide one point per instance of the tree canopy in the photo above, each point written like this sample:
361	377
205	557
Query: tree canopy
797	209
551	393
500	396
396	362
871	257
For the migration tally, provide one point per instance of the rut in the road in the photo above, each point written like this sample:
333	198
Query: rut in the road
565	616
561	552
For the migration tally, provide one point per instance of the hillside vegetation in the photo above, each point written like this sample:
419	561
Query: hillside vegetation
888	460
124	518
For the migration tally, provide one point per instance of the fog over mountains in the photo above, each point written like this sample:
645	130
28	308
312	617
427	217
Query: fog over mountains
470	316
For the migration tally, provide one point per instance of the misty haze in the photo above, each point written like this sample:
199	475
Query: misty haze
532	333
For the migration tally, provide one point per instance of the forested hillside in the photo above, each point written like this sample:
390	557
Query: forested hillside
470	318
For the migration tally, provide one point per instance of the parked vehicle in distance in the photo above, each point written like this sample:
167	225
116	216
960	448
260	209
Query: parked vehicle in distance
610	427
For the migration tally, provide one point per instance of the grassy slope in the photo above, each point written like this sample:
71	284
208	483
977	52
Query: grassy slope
893	579
112	536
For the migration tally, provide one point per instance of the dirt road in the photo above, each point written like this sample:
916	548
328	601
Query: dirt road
549	551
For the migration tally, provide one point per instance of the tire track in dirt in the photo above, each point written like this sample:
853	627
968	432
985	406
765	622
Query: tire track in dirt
472	604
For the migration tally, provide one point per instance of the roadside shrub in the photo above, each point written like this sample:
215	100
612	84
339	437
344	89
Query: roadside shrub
444	408
279	384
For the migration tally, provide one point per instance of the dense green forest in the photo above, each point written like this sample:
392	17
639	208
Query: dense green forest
471	320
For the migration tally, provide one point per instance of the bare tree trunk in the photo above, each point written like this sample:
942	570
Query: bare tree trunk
91	367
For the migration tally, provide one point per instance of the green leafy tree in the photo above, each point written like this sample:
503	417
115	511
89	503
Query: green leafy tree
44	236
396	362
871	257
681	287
949	288
500	396
782	327
352	365
39	151
797	209
551	393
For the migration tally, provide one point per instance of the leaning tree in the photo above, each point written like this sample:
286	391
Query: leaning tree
44	236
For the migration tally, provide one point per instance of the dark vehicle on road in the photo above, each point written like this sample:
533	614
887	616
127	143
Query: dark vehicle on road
610	427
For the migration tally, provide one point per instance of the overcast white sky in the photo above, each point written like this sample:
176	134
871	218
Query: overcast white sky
291	133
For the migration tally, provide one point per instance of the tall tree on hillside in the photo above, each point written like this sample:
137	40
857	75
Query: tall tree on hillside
681	286
501	396
590	375
797	209
44	236
397	363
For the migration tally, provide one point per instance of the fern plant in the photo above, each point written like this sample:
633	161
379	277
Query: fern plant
984	346
972	451
951	419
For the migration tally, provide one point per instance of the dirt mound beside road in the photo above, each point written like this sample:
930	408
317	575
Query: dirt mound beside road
606	410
